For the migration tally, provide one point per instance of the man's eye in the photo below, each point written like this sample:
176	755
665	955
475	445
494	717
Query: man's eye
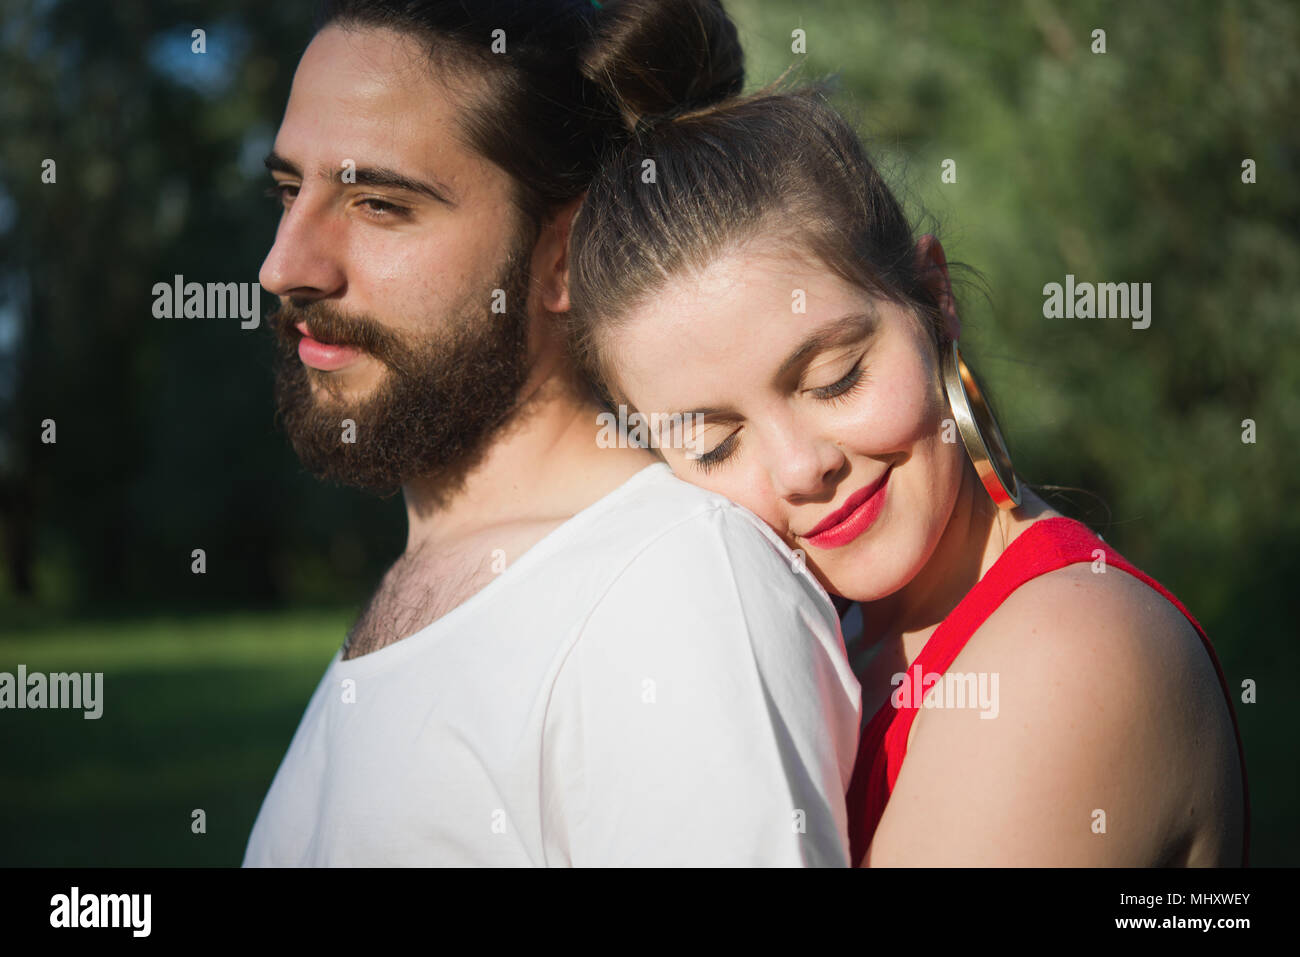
857	375
717	455
285	193
381	209
280	192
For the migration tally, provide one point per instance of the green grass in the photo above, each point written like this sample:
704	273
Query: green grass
197	713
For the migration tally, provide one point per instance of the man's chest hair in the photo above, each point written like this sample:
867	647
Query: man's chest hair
415	592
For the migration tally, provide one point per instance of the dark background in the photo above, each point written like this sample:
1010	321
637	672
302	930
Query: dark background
1123	166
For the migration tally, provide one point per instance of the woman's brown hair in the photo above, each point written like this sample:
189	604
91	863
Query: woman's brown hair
689	184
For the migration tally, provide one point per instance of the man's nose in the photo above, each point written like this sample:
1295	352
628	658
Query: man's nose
304	259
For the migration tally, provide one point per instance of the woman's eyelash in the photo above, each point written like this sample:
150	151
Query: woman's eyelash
717	455
840	390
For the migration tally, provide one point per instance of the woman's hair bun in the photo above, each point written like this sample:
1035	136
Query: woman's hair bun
659	58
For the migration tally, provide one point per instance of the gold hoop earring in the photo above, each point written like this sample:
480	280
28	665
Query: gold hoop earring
979	432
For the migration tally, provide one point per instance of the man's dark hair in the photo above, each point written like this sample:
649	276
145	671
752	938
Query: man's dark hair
547	112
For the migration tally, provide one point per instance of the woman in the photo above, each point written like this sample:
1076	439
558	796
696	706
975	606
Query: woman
742	268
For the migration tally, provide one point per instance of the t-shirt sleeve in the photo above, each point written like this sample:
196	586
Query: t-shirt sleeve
706	713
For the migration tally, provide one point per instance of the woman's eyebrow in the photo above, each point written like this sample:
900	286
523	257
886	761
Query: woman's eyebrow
846	329
717	413
843	330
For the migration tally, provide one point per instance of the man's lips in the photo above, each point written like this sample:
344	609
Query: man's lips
323	355
853	517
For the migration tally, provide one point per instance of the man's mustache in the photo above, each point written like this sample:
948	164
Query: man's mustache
328	325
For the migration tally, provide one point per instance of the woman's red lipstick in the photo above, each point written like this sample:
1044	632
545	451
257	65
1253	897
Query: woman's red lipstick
853	517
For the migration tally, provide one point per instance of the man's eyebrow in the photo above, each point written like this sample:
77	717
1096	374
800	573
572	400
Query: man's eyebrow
391	179
380	176
278	164
843	330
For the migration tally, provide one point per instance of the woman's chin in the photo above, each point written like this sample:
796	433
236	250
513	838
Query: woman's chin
859	591
864	574
855	586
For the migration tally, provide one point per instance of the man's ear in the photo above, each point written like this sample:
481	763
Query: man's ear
933	266
551	258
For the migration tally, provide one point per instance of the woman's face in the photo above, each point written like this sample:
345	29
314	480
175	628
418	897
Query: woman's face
827	423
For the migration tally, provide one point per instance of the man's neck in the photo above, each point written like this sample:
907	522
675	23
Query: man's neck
542	466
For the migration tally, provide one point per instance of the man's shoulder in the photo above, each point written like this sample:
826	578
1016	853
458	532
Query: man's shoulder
662	543
706	614
659	515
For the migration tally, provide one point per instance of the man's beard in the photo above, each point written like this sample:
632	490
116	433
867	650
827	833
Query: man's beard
442	398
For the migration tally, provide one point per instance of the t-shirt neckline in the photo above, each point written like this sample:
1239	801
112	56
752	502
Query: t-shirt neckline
393	652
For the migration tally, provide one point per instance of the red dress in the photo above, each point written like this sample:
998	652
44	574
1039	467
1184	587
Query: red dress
1045	546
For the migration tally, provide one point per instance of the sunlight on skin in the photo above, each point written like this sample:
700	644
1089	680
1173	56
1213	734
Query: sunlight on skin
718	338
380	251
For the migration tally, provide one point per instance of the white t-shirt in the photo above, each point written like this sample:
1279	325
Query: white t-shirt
658	681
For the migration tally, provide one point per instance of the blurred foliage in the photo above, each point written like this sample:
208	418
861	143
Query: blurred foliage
1123	166
166	440
1116	167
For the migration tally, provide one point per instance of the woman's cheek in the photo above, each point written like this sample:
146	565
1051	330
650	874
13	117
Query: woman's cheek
888	418
754	492
738	483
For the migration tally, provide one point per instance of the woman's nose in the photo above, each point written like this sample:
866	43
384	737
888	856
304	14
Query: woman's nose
803	465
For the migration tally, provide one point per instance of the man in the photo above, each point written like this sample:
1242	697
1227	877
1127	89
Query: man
578	659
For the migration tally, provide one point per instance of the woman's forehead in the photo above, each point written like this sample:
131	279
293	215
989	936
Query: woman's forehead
732	324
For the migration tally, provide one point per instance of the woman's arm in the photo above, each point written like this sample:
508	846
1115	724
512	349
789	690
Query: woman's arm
1112	744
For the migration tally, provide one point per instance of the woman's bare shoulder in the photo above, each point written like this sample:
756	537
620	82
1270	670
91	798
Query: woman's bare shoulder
1111	742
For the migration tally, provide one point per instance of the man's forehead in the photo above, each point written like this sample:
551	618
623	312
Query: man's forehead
374	61
375	93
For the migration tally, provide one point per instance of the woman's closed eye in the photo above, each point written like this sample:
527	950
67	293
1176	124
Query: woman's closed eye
708	461
835	392
841	390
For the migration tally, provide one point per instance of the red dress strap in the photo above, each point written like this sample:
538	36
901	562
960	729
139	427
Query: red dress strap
1045	546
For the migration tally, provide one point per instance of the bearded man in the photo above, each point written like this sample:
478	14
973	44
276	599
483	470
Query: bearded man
578	659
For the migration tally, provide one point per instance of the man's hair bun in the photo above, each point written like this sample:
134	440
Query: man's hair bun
659	58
